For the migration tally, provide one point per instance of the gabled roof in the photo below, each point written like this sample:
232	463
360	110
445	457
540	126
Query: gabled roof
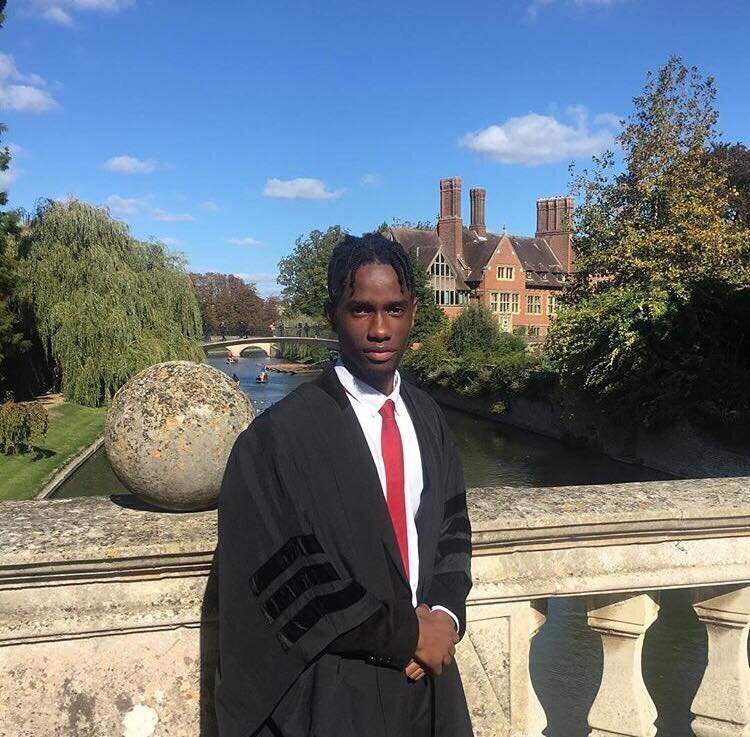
425	245
538	258
535	254
478	251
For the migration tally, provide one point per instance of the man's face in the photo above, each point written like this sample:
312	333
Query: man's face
373	322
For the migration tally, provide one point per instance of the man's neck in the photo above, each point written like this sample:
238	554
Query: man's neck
382	384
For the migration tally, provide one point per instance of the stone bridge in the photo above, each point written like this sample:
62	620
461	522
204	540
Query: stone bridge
108	611
266	342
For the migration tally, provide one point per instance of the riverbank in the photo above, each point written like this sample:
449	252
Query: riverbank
72	428
299	368
680	450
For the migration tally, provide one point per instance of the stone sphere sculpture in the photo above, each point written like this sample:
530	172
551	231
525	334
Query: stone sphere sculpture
169	431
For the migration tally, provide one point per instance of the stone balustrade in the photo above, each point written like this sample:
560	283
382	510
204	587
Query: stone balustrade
108	618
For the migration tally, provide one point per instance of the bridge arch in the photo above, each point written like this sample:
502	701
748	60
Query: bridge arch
266	342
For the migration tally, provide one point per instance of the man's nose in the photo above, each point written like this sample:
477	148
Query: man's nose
378	328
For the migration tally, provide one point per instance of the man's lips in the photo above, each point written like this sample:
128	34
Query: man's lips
379	355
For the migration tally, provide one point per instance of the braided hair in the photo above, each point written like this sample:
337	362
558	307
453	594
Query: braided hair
371	248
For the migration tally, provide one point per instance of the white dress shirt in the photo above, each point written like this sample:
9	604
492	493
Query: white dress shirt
366	403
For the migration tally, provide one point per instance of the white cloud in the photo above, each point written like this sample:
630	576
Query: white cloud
7	177
245	241
19	91
130	165
608	120
302	188
26	98
208	206
57	15
542	139
125	206
171	217
371	180
61	12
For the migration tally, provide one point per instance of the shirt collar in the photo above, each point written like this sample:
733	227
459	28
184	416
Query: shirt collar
361	392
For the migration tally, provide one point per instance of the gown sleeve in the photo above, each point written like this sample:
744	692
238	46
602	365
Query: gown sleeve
451	581
282	598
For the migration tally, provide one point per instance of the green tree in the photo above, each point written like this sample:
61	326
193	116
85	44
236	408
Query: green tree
227	298
662	222
733	160
105	305
303	274
12	340
475	329
657	262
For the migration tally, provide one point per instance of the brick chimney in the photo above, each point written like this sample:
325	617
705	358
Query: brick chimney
450	225
554	223
478	197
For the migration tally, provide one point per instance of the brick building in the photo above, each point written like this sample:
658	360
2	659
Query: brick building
519	278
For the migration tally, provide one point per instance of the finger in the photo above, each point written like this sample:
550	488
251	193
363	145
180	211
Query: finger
452	650
447	660
415	673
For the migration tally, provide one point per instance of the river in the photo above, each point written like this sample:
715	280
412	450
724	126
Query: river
566	657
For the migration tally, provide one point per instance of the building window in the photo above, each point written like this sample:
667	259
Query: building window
443	282
560	278
533	331
552	304
529	274
505	303
533	304
544	275
506	273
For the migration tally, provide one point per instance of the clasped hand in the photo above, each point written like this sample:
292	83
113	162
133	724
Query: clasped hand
436	645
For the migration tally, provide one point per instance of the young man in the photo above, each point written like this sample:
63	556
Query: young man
344	543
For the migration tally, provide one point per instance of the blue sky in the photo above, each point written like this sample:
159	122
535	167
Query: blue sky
228	129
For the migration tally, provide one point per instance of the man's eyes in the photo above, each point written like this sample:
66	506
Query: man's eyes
368	309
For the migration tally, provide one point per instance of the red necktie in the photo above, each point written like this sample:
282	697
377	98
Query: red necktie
393	460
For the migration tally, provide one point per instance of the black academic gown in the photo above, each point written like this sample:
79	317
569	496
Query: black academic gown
316	622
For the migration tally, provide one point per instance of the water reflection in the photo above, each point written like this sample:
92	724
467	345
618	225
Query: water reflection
498	455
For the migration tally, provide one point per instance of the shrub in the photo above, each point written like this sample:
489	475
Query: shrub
503	372
509	343
474	329
21	424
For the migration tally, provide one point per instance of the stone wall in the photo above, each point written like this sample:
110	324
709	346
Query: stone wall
108	610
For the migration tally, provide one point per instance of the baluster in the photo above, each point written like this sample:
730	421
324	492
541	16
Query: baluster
494	662
623	706
722	704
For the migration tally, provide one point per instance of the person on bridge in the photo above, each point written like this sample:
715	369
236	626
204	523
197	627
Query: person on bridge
344	543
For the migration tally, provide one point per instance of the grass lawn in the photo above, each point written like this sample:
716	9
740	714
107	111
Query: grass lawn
71	428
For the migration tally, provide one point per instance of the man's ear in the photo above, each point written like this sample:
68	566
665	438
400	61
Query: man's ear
415	302
330	312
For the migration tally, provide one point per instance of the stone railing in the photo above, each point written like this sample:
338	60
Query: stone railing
108	619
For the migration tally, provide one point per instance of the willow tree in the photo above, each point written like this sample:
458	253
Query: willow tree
106	305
